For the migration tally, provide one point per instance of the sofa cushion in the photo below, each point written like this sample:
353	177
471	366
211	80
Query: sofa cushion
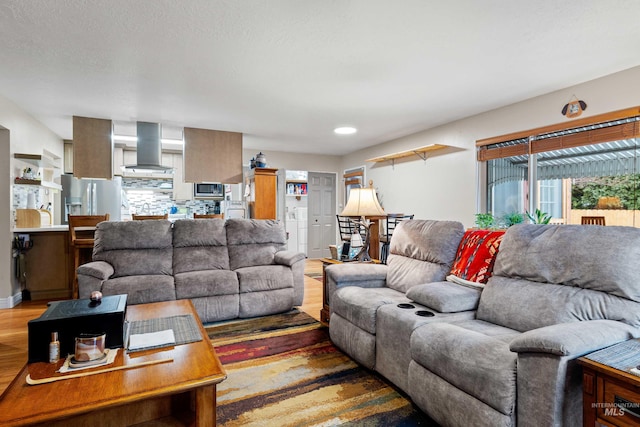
203	283
476	255
596	258
422	251
264	278
477	364
359	305
141	289
445	297
217	308
199	245
524	305
254	242
135	248
254	304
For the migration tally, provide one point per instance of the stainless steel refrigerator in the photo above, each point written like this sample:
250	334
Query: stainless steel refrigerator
91	197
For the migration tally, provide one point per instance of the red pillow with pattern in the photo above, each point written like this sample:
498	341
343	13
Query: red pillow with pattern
476	255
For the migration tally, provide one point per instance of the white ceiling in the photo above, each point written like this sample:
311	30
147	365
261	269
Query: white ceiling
286	72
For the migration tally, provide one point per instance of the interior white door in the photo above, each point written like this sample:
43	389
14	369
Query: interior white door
321	188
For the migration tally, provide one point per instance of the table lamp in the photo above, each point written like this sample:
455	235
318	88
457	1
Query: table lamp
363	203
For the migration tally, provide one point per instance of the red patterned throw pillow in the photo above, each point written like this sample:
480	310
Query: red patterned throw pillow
476	255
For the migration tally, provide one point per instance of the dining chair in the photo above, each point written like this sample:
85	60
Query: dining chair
81	238
390	225
592	220
145	217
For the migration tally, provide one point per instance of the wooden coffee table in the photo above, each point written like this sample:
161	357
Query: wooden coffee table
179	392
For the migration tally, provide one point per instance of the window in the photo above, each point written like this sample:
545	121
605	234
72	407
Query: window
353	178
588	170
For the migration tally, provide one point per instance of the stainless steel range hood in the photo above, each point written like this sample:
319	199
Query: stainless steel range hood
149	150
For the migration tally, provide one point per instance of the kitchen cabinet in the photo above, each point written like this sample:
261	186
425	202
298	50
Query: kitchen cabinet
118	160
263	193
48	265
68	157
212	156
181	190
92	148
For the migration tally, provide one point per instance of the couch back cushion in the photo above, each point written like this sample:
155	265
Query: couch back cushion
422	251
135	247
254	241
199	244
548	274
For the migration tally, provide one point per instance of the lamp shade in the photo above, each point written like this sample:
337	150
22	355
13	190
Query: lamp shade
363	202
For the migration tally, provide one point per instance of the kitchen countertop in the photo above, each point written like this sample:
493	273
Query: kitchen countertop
42	229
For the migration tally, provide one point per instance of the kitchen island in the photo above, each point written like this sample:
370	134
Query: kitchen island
48	264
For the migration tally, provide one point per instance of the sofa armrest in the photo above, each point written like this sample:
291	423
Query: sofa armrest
357	274
98	269
354	274
288	257
575	338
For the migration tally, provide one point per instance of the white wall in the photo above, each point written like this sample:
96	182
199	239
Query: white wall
296	161
22	134
445	186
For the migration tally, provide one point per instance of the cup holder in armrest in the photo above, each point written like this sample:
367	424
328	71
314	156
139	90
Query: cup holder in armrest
406	305
425	313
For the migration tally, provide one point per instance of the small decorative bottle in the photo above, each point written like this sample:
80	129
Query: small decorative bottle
54	348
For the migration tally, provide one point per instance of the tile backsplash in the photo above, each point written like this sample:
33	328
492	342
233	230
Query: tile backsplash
155	197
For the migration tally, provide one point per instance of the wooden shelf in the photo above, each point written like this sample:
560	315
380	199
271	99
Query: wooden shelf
420	152
45	184
37	160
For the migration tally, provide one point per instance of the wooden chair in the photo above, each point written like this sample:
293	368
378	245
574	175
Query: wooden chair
145	217
592	220
196	216
392	221
81	231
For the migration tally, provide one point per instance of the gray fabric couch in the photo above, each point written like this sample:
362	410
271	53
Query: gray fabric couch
228	269
505	355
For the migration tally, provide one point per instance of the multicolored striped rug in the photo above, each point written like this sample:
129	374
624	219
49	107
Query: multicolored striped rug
284	371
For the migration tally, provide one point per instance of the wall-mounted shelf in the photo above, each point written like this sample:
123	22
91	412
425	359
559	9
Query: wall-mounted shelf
421	152
44	184
46	164
38	160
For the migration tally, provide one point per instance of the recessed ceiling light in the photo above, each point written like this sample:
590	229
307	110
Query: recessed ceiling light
345	130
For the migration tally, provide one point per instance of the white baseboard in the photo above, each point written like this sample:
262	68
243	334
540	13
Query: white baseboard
12	301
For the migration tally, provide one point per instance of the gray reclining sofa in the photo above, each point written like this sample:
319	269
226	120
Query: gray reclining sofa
502	355
228	269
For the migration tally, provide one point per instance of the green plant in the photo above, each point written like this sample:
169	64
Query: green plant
513	218
485	220
539	217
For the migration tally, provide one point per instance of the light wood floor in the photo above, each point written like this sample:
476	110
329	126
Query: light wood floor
13	324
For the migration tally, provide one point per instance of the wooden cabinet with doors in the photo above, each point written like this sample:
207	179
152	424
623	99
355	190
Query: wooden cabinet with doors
263	193
92	148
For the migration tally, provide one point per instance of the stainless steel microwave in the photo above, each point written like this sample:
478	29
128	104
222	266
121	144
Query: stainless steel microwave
206	190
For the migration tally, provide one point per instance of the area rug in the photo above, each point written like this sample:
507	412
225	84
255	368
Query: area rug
316	276
284	371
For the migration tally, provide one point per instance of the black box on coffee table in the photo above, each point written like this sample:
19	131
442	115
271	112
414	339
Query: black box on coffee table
72	318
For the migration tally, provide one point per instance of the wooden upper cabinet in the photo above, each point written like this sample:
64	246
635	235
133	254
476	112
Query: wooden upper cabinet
263	193
92	148
212	156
